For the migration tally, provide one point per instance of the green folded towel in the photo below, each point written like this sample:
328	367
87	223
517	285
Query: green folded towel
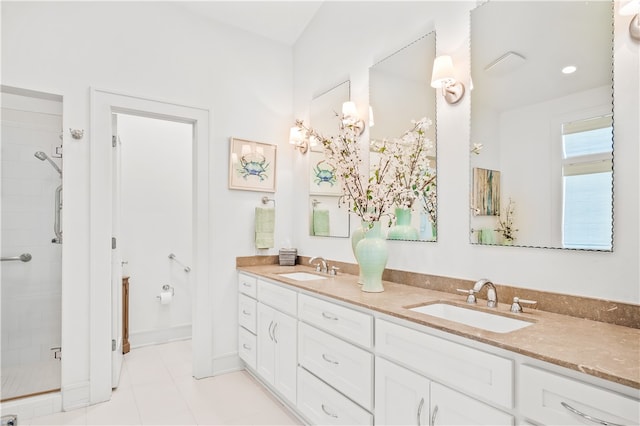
321	223
486	236
265	225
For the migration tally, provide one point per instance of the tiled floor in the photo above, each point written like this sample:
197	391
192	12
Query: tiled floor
156	388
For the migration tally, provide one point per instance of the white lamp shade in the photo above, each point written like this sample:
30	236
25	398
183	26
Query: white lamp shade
349	109
295	136
442	71
631	7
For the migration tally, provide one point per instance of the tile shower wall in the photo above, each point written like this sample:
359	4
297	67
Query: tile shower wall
31	304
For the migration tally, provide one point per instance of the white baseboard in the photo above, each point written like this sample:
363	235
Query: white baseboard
226	363
138	339
76	395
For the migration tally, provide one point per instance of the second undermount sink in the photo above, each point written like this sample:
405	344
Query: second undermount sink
474	318
302	276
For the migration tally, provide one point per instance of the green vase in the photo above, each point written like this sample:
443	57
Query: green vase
403	230
358	234
372	255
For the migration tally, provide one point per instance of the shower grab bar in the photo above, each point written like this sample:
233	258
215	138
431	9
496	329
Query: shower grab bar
57	225
24	257
173	257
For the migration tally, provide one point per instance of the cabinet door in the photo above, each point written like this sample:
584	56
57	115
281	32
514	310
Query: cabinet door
449	407
285	337
266	353
402	396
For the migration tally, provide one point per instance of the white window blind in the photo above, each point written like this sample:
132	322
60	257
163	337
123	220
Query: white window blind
587	170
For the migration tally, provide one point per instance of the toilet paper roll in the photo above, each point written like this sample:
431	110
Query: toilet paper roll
165	297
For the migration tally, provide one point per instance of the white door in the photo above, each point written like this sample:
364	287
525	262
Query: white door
266	352
402	396
116	260
285	338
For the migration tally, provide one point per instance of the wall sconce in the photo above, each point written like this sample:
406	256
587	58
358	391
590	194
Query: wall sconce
632	8
297	139
350	116
442	77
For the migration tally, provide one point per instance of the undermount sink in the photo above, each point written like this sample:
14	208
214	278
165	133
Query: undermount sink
474	318
302	276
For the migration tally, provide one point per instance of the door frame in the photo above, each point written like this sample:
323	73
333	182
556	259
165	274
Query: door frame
103	104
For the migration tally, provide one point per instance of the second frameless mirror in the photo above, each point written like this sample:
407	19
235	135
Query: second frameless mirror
541	124
326	217
399	94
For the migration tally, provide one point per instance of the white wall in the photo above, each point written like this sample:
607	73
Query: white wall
156	221
155	50
336	46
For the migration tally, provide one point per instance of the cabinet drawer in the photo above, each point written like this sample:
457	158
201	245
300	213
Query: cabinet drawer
323	405
473	371
342	365
247	347
278	297
343	322
541	395
247	284
247	312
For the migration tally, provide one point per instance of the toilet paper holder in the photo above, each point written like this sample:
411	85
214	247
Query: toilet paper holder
167	287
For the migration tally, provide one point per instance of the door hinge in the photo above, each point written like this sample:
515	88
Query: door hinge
113	345
114	141
113	243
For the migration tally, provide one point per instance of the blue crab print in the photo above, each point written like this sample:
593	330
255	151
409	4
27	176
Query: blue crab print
254	165
324	175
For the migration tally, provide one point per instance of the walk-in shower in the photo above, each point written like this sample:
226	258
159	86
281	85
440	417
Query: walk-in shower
31	273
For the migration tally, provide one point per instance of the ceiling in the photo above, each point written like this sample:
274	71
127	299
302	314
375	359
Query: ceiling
282	21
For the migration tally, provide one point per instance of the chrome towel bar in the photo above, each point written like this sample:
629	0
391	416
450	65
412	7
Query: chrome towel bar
173	257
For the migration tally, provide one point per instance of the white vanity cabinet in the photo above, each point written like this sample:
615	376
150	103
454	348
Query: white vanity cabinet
554	399
438	365
276	338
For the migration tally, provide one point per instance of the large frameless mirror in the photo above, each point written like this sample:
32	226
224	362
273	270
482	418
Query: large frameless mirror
400	93
326	217
541	124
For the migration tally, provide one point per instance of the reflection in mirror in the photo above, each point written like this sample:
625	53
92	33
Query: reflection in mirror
400	92
326	219
541	124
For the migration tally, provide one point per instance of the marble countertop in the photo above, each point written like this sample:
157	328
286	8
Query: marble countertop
608	351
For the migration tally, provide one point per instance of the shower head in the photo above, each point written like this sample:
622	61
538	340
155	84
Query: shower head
42	156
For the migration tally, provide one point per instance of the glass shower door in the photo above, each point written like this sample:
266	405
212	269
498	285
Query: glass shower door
31	277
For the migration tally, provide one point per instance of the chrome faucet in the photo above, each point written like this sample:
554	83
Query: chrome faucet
492	295
321	266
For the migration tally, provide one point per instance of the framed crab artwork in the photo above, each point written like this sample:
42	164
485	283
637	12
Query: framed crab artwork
323	179
252	166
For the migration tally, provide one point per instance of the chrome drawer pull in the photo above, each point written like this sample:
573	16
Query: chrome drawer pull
329	316
275	326
270	332
420	411
329	360
246	313
247	347
329	413
588	417
246	284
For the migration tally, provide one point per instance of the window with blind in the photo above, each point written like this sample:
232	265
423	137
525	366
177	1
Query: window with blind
587	173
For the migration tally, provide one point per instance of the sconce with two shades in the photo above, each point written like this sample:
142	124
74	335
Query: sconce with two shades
443	78
349	117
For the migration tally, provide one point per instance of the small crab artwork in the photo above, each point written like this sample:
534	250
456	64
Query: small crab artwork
254	164
324	173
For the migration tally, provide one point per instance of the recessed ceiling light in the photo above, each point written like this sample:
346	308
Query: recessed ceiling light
570	69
